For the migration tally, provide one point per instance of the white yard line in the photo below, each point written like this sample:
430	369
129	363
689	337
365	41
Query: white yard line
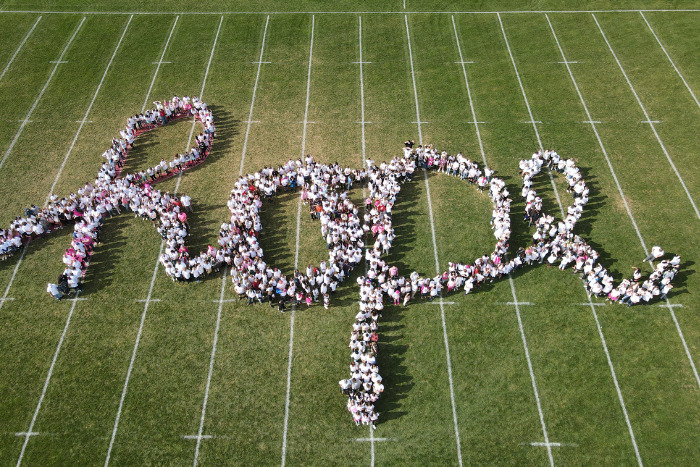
692	94
592	122
296	252
30	430
529	111
38	98
252	101
160	61
648	119
475	121
364	159
532	373
435	252
87	112
592	305
515	301
617	384
153	280
12	59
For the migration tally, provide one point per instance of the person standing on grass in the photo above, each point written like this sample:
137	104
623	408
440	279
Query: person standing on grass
656	253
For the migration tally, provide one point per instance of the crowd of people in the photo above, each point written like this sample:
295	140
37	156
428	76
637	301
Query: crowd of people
87	208
350	237
341	227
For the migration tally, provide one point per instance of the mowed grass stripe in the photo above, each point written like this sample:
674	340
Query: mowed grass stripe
611	433
181	54
231	373
676	364
82	347
414	370
528	283
86	60
56	246
649	121
10	35
318	420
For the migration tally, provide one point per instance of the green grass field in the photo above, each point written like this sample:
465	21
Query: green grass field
129	374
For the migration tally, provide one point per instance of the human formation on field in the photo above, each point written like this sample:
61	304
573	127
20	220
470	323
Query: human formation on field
352	238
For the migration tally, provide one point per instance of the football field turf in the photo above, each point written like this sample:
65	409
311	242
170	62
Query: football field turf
142	370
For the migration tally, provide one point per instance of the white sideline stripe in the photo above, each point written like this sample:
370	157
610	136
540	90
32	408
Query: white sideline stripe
12	278
24	433
435	253
590	302
30	431
159	63
567	62
364	159
441	303
373	439
229	12
150	88
87	112
12	59
692	94
41	93
58	62
648	119
475	121
211	367
153	279
296	252
4	299
252	101
591	121
361	62
25	121
516	303
668	305
198	437
149	300
532	119
531	122
624	200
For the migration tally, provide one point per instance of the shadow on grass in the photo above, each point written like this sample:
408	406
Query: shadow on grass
396	378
